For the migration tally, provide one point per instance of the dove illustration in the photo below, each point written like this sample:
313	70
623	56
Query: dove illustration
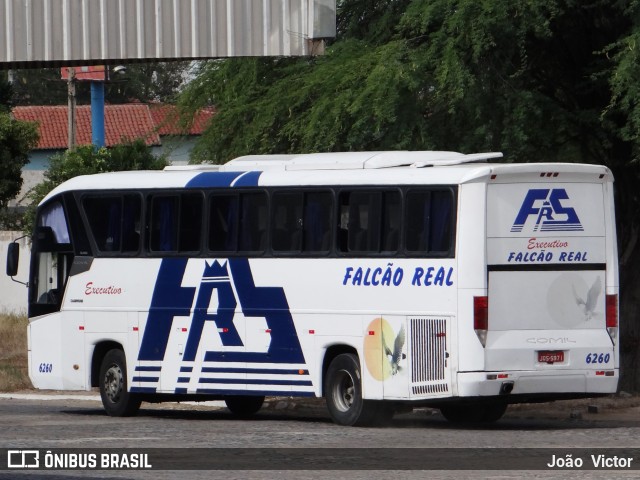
589	305
396	355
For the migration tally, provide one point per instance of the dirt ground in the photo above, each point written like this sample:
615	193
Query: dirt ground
621	407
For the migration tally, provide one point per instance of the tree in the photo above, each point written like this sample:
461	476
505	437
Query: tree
16	140
148	82
144	82
544	80
6	93
623	114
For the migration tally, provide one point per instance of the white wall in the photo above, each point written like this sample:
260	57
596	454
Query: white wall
13	296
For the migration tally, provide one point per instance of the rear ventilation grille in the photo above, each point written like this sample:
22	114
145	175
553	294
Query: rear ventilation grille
429	356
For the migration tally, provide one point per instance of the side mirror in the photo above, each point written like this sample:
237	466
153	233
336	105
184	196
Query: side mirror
13	258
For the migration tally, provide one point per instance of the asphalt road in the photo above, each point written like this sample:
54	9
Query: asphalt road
208	436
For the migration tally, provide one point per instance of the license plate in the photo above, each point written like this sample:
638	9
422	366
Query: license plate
550	357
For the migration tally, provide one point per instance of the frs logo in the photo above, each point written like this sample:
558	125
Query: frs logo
549	213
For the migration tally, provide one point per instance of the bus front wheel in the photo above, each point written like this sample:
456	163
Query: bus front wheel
343	394
117	400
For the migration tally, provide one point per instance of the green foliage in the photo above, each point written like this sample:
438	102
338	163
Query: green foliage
354	98
144	82
148	82
42	86
624	108
16	140
6	93
525	78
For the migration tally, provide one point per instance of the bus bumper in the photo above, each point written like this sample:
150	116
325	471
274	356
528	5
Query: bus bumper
473	384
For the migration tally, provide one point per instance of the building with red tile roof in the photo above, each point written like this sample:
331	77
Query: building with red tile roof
160	126
122	123
167	121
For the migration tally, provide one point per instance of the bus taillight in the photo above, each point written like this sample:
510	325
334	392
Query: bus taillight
481	318
612	317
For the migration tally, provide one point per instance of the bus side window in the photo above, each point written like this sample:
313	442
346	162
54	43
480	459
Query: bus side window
418	218
370	221
391	221
223	223
317	222
428	220
176	223
253	222
190	233
114	222
287	222
359	222
441	210
131	221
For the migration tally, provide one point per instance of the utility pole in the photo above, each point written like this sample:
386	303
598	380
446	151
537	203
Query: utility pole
71	89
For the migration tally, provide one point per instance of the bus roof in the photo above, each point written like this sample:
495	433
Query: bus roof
343	168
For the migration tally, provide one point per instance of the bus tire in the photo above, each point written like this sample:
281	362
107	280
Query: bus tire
116	398
461	414
244	405
343	394
494	412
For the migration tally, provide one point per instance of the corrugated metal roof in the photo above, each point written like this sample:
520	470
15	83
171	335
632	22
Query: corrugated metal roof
73	32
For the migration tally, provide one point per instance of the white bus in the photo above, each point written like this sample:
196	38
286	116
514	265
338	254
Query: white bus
378	280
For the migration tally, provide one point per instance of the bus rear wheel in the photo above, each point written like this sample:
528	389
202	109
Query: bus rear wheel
116	398
343	394
244	405
488	413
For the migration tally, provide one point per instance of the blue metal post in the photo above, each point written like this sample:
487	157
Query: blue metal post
97	114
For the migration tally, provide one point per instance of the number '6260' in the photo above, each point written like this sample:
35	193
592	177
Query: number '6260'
598	358
45	368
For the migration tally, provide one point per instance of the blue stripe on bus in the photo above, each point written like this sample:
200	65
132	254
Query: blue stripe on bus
213	179
266	393
145	379
186	369
271	371
169	299
148	369
247	179
143	390
180	390
301	383
183	379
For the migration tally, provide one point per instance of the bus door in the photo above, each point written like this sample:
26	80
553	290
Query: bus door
56	346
